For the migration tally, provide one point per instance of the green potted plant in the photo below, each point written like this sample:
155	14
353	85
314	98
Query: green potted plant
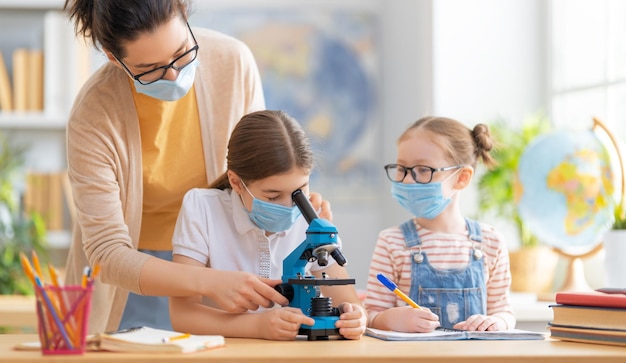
620	217
19	232
532	262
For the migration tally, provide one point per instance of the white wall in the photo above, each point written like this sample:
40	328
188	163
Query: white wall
490	63
490	59
472	60
406	94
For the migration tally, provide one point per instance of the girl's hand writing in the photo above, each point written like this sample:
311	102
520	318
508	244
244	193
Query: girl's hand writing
481	323
406	319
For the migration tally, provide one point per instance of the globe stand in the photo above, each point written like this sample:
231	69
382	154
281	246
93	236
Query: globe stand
575	279
611	259
575	274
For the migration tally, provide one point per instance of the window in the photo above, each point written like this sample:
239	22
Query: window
588	63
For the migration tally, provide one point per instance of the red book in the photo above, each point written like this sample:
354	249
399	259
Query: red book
591	298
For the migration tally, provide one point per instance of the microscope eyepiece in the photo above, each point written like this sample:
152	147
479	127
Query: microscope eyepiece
304	205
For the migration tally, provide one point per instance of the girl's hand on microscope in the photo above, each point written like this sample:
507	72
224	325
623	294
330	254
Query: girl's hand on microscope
352	321
282	323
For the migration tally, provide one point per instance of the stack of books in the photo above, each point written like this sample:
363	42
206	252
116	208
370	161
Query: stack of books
590	317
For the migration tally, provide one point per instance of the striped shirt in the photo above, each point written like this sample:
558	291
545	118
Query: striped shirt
445	251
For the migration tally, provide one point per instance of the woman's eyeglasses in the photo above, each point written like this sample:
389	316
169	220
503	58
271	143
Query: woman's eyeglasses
177	64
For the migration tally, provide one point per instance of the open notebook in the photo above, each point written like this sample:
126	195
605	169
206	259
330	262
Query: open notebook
145	339
453	334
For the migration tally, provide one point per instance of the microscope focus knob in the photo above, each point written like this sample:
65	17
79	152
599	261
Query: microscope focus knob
338	256
286	290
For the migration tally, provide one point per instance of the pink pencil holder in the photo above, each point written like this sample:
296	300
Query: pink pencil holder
62	317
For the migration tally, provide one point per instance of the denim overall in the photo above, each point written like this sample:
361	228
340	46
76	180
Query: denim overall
455	294
152	311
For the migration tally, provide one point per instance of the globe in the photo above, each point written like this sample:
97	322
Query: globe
565	189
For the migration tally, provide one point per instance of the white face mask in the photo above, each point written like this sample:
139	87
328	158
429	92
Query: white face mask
167	90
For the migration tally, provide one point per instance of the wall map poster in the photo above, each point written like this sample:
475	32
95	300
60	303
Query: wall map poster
320	66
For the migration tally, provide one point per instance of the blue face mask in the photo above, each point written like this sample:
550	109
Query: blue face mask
421	200
167	90
272	217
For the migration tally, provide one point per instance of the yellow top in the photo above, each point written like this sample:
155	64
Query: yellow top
173	163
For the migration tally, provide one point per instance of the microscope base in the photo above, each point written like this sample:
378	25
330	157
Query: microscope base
319	334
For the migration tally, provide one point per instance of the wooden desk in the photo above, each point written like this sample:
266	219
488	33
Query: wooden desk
346	351
17	311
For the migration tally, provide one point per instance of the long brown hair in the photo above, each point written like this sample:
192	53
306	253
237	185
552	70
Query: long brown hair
265	143
463	146
111	23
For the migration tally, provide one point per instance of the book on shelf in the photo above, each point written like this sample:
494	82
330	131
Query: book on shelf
28	74
47	195
67	63
588	335
591	298
34	100
20	79
6	93
144	339
589	317
454	334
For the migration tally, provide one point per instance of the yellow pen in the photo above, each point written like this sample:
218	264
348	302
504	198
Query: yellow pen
391	286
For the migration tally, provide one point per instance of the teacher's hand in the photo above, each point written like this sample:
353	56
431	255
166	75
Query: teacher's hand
238	292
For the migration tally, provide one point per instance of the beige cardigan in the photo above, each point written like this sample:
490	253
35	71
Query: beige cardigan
104	164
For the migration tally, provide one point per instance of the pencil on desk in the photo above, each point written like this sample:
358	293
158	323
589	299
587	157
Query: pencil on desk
176	337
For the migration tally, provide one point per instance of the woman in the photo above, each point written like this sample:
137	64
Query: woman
149	125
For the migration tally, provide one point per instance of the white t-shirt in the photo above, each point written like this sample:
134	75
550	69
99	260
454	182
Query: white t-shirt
214	228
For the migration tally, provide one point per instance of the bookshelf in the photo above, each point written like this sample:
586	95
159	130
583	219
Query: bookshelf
39	26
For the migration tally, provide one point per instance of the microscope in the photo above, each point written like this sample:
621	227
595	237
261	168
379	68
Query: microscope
303	291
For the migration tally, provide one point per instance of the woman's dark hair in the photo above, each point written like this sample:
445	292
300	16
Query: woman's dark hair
463	146
111	23
265	143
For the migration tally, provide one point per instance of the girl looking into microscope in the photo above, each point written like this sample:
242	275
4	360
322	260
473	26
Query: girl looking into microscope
246	221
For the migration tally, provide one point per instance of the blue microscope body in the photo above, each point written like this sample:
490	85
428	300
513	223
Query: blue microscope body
302	290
